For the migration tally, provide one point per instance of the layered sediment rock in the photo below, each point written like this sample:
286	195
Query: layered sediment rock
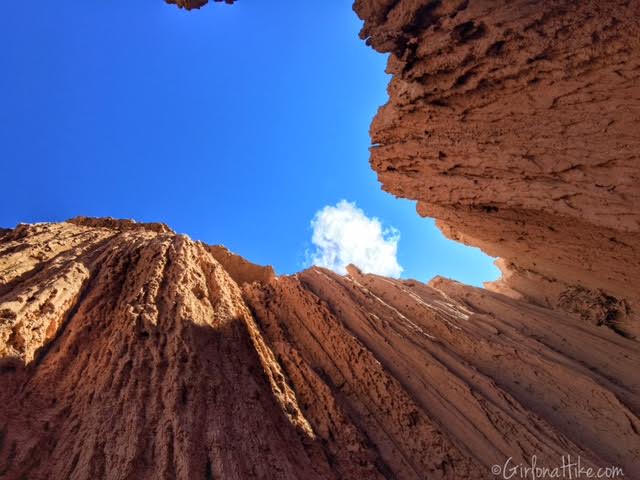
131	352
516	125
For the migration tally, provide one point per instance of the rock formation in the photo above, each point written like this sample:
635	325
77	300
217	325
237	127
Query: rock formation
194	4
128	351
517	126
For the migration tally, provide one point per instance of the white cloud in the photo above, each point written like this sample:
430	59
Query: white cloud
344	234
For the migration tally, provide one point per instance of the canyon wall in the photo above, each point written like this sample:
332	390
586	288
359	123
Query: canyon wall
130	352
516	125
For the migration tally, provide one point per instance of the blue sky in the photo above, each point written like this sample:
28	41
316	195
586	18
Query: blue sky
233	124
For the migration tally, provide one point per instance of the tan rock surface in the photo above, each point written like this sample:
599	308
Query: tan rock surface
516	125
131	352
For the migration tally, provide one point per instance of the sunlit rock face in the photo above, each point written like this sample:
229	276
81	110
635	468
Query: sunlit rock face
128	351
515	124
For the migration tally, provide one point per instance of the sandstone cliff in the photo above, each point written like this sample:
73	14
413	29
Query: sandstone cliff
128	351
517	126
